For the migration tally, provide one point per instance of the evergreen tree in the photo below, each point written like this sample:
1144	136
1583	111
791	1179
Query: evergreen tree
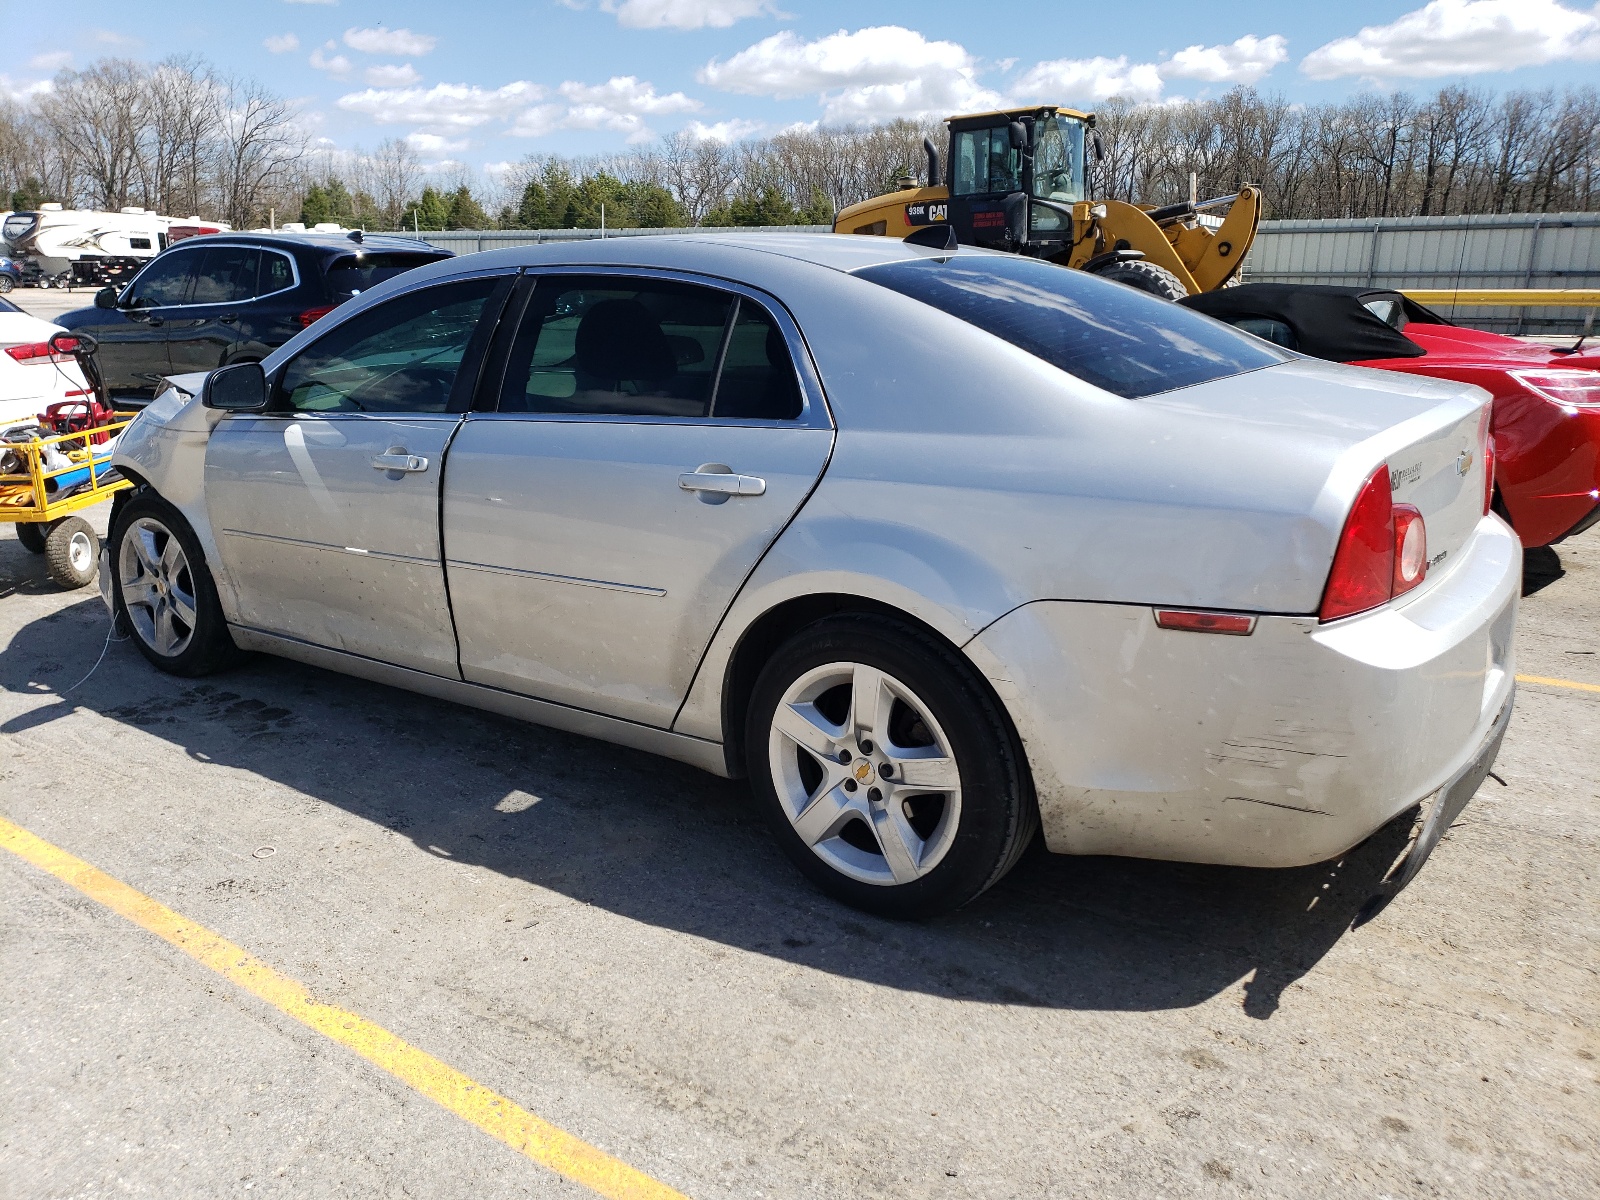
431	212
819	212
465	211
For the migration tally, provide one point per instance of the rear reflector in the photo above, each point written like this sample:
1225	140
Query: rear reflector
1204	622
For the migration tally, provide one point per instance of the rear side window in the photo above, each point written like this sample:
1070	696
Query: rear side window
276	274
1113	336
351	274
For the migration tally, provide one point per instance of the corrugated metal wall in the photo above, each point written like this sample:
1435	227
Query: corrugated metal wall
1551	250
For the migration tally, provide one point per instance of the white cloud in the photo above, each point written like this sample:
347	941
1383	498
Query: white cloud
282	43
338	66
1461	37
110	37
1068	80
389	41
51	61
727	132
871	74
444	105
501	169
683	14
621	104
432	143
391	75
1248	60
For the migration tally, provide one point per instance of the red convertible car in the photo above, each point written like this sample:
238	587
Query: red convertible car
1546	422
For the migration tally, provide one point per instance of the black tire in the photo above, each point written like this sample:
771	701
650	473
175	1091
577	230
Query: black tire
201	647
32	536
1147	277
72	552
997	816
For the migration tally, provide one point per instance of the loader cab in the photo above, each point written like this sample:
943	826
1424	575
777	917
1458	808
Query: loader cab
1018	155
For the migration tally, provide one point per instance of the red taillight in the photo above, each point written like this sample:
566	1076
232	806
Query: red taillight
1363	565
40	352
1204	622
314	314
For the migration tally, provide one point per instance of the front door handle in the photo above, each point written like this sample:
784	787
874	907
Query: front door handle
722	482
399	461
229	318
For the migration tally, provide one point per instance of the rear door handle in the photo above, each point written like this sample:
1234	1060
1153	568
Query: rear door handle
229	318
399	462
723	483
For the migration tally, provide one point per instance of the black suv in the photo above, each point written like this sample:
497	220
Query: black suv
231	297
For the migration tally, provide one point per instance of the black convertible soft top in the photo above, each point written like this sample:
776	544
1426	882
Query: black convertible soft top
1321	320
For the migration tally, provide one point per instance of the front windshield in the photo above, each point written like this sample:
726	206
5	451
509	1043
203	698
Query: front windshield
1058	160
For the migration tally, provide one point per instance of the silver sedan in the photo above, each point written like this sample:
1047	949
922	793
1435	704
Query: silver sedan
936	547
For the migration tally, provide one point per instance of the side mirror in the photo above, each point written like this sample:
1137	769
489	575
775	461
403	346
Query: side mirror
1017	217
106	297
239	388
1099	146
1019	136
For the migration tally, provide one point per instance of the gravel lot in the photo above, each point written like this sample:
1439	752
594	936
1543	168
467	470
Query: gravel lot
612	941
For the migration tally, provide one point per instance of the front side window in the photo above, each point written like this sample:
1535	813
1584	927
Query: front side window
985	163
400	356
165	281
611	345
1113	336
1058	160
227	275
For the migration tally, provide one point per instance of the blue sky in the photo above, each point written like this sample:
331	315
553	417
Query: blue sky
484	83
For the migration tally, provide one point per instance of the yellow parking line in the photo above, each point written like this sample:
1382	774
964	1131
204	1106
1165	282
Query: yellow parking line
1566	683
494	1114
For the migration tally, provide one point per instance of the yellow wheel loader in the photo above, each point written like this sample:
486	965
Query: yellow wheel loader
1019	182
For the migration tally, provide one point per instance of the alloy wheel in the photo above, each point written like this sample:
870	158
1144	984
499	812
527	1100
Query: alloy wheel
158	589
865	773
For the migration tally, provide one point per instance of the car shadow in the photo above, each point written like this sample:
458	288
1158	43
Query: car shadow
1541	566
660	842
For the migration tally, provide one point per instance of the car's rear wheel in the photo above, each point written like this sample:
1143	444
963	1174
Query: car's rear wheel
886	768
163	590
70	551
6	284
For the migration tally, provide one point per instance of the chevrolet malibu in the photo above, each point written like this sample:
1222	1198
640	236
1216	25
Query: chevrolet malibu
939	547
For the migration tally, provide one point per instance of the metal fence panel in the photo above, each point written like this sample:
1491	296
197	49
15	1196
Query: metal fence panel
1511	250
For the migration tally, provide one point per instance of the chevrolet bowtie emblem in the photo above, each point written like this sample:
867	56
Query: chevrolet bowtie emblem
1463	462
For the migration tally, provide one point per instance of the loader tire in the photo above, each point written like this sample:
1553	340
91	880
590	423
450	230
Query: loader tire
1147	277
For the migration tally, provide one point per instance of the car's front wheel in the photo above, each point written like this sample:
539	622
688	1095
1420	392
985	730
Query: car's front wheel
886	768
162	588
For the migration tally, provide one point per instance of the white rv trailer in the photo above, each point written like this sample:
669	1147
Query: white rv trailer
61	246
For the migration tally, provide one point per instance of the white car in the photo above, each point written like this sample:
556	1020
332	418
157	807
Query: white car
32	375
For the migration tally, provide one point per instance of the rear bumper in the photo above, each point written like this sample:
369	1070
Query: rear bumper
1278	749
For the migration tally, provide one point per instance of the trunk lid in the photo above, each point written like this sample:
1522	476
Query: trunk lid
1441	473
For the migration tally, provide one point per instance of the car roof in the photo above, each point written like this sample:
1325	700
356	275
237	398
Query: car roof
341	243
840	252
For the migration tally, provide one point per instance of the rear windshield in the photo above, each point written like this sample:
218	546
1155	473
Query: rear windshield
351	274
1108	334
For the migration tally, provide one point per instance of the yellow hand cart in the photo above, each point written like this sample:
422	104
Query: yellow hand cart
46	481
